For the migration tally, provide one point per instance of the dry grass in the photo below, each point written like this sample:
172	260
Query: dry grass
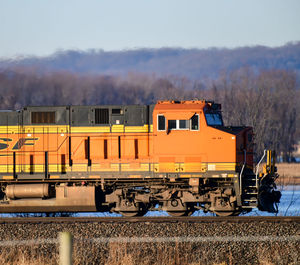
26	256
168	254
289	169
289	174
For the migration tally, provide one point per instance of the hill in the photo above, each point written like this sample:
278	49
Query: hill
194	64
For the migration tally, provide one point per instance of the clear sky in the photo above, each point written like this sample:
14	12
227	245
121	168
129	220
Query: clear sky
41	27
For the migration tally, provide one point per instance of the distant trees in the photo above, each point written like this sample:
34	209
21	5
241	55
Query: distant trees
64	88
267	100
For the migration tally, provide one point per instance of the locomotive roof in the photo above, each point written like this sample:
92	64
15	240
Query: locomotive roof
88	115
131	115
163	104
84	106
180	105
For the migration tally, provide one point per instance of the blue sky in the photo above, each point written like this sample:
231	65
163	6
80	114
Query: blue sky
41	27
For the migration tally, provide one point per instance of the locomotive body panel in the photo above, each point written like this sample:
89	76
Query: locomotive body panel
126	159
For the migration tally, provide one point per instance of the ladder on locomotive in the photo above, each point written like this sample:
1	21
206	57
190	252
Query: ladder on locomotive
249	185
249	190
250	182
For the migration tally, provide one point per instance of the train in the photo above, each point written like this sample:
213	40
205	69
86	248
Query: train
175	156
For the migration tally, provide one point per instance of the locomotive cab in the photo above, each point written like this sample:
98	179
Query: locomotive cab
193	132
191	141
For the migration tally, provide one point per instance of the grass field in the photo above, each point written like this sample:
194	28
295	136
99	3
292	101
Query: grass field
183	254
289	173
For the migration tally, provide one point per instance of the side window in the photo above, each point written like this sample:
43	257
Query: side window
178	124
192	124
161	120
183	124
171	124
195	123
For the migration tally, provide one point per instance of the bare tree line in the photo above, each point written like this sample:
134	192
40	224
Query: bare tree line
267	100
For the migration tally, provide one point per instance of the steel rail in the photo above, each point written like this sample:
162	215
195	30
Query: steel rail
164	219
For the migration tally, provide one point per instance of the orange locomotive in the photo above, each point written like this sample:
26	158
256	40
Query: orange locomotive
175	156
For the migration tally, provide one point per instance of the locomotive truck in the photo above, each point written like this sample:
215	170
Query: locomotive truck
175	156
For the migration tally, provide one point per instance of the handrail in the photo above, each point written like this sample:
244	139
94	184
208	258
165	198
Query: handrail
241	173
257	168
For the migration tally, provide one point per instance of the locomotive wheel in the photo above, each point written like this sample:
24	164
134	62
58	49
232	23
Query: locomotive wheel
141	212
177	214
225	207
224	214
176	208
180	213
133	214
129	214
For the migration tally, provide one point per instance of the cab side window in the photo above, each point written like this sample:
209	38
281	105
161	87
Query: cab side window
171	124
191	124
161	120
178	124
195	123
183	124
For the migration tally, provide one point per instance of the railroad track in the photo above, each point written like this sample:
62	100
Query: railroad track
274	219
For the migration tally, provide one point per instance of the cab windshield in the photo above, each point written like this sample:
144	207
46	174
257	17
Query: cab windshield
213	119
